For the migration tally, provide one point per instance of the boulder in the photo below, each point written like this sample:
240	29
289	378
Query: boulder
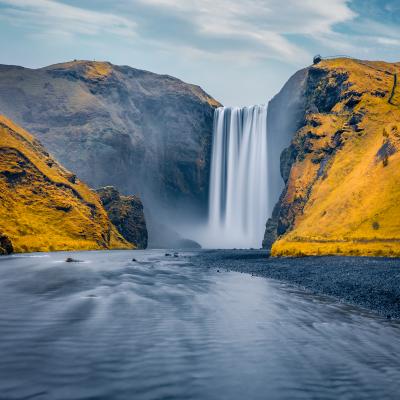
126	213
6	246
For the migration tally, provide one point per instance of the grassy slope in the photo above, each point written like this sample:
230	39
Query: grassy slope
354	206
42	206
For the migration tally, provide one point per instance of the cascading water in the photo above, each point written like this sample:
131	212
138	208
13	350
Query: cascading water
238	204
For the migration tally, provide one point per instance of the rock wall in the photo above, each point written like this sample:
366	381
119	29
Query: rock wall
341	167
141	132
286	113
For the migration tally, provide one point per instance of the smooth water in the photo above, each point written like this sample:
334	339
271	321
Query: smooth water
238	204
162	328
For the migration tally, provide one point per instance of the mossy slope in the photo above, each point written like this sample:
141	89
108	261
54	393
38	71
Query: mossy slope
343	191
44	207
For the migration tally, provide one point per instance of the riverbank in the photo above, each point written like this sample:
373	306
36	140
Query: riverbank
369	282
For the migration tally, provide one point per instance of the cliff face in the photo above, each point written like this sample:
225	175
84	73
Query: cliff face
113	125
126	213
341	170
44	207
285	115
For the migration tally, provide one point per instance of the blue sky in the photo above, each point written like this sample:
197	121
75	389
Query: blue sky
241	52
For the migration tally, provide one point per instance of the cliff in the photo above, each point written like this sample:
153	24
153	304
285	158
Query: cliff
341	169
126	213
44	207
141	132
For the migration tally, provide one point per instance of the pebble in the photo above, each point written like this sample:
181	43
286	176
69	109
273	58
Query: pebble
72	260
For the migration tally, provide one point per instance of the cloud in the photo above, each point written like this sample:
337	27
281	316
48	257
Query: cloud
55	17
237	31
266	25
388	41
255	29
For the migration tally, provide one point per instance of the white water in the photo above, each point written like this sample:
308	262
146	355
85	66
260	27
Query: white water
238	204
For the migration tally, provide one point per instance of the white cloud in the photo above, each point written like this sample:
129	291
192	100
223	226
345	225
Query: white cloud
388	41
53	16
265	23
238	30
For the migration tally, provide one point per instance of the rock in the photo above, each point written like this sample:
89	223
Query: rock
6	246
72	260
126	213
115	125
285	115
134	259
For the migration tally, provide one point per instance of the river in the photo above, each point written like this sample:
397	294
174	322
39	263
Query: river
162	327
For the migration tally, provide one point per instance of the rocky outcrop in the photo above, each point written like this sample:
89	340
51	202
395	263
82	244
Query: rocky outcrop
126	213
341	168
141	132
6	246
44	207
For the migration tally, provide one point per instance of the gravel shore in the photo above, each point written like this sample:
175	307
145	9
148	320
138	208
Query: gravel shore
372	283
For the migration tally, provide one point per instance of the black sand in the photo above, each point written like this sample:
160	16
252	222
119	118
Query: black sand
369	282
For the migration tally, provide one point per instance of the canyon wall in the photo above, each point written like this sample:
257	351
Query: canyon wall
143	133
341	168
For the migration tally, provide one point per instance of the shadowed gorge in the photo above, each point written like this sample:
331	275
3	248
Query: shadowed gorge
341	169
44	207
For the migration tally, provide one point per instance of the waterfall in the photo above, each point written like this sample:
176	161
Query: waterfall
238	203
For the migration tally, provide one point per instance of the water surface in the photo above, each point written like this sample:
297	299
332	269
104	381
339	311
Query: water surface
162	328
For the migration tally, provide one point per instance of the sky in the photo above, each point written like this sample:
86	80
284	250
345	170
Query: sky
241	52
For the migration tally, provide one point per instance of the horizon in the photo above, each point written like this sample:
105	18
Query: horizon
252	48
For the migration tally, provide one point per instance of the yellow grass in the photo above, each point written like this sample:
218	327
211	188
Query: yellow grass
355	208
96	70
42	207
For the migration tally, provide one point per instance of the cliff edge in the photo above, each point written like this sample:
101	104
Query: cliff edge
342	167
